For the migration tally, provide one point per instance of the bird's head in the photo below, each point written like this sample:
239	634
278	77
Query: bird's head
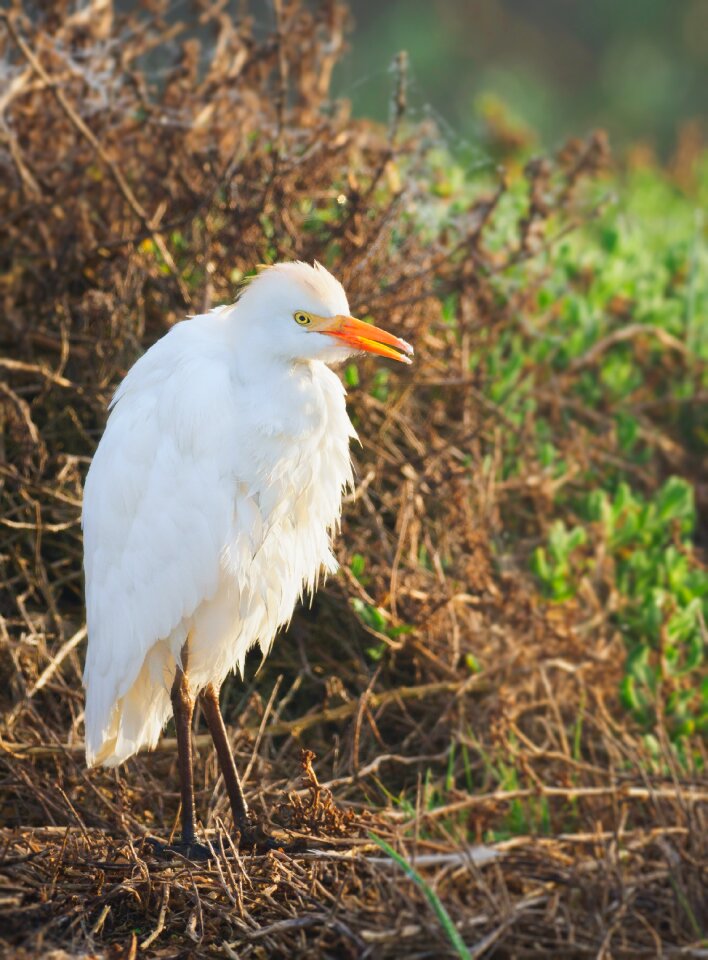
300	312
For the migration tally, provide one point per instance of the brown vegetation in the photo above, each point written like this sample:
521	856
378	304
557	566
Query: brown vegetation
519	791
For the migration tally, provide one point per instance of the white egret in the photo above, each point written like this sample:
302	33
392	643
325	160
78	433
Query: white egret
209	509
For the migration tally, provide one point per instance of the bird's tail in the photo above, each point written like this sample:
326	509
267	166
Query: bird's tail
117	730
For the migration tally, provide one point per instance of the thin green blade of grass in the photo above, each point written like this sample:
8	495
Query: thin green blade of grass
433	899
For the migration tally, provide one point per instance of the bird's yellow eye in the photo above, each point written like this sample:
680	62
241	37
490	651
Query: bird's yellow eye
302	318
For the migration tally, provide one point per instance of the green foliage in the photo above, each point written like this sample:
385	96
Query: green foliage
643	263
660	594
553	566
431	896
598	369
663	601
604	372
375	619
601	371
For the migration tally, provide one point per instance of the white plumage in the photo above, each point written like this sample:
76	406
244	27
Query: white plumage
211	500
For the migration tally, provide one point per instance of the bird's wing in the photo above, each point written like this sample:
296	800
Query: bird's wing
158	503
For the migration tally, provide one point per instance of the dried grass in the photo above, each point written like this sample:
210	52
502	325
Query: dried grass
126	205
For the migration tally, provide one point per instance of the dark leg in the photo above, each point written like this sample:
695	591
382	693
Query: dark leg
183	708
239	807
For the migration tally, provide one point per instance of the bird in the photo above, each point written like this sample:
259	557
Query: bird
209	511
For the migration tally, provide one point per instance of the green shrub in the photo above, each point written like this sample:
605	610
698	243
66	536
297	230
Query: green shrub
659	592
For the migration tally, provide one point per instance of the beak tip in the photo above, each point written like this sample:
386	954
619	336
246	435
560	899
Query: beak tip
407	352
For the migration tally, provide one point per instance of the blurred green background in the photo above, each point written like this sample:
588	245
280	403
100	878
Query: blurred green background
638	68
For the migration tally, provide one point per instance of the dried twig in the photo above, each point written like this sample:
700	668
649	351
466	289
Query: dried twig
88	135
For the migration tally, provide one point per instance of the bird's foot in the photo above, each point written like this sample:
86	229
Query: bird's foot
252	836
249	837
189	849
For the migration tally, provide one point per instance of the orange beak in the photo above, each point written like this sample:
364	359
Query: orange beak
365	336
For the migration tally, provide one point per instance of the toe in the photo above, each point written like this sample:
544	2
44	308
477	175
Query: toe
190	850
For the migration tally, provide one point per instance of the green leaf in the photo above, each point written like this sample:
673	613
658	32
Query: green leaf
675	501
357	565
431	896
351	375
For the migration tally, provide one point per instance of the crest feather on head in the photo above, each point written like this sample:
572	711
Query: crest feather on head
315	276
